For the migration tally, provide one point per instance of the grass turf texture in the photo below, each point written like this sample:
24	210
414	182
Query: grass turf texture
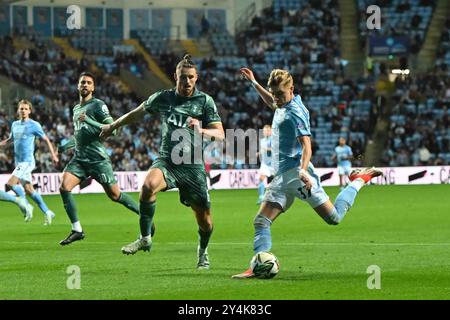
402	229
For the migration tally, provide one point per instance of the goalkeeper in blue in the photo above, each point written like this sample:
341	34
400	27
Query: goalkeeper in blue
295	176
23	133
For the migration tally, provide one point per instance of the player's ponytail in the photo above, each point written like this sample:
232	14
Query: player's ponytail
186	62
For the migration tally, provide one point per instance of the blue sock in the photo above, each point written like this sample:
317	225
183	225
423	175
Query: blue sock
263	239
5	196
344	202
18	190
40	202
261	188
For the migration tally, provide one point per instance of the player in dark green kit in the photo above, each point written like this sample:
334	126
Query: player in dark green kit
189	114
90	159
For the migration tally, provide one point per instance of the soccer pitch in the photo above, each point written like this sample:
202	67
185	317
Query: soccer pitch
404	230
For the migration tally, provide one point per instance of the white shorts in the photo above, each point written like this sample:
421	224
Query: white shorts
23	171
286	187
344	170
265	170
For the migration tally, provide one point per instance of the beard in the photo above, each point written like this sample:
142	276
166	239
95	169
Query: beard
85	92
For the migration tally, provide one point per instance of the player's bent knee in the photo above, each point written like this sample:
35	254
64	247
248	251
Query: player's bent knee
114	196
261	221
64	189
205	226
149	188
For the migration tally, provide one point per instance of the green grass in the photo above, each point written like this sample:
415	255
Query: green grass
402	229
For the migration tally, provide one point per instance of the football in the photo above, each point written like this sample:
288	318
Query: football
265	265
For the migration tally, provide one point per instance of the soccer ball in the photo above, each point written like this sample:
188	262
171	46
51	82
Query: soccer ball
264	265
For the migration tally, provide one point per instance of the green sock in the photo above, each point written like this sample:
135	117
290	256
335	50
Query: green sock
204	237
146	213
128	202
69	205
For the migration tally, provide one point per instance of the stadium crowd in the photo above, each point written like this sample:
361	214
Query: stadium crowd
304	40
53	75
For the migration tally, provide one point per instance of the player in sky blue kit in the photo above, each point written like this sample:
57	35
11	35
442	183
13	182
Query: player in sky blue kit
23	133
343	155
294	173
265	153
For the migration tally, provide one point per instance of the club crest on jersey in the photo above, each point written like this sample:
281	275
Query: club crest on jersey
105	109
195	109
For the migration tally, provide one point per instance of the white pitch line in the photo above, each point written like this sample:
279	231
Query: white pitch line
249	243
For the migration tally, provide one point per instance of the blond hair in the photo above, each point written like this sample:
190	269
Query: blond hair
280	78
25	101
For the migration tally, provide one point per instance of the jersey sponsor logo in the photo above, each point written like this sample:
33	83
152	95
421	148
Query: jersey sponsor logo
78	125
177	120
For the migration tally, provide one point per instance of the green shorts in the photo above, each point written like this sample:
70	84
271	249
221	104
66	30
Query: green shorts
190	180
101	170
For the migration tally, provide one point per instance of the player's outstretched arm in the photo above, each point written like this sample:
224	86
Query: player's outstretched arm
306	157
263	93
128	118
52	150
84	118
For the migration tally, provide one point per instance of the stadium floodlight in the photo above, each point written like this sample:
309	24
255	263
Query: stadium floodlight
400	71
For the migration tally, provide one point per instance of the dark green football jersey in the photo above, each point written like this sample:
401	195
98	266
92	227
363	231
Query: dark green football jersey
175	111
88	145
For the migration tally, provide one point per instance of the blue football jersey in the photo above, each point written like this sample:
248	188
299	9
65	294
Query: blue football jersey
23	134
343	155
289	122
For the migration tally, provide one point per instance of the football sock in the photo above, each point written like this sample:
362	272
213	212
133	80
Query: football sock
19	191
263	239
128	202
344	202
76	226
40	202
146	213
69	205
204	237
5	196
261	188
